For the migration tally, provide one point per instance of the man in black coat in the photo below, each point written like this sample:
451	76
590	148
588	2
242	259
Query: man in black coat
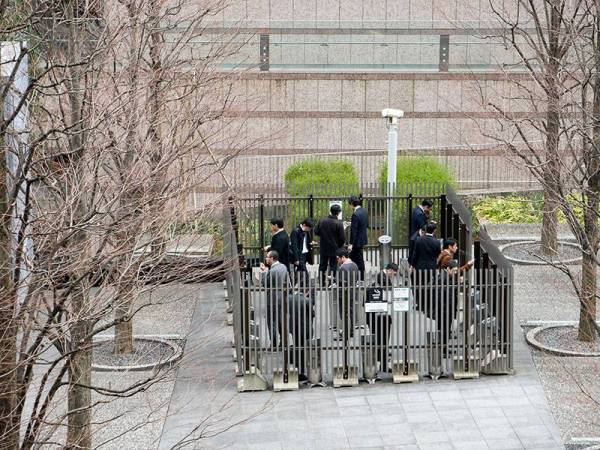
280	241
331	232
427	249
302	253
419	218
358	233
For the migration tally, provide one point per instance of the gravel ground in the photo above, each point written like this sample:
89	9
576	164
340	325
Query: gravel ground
136	422
532	252
573	392
566	338
544	293
570	383
144	352
527	231
131	423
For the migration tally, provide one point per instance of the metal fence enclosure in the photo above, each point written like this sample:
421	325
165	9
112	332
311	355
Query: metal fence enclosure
339	329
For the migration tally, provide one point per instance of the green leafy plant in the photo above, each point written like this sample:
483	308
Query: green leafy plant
323	179
418	169
520	209
421	176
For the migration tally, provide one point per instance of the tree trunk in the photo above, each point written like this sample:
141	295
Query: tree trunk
551	177
124	328
549	236
79	402
79	432
588	330
9	437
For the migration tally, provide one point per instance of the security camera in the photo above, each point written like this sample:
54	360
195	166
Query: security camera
392	115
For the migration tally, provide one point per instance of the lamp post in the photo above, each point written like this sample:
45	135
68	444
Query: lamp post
391	116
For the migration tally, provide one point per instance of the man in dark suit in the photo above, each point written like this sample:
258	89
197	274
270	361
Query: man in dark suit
274	278
346	278
419	218
280	242
380	323
302	253
446	305
358	233
427	249
331	232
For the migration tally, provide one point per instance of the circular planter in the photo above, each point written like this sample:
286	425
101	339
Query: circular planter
176	354
533	262
531	338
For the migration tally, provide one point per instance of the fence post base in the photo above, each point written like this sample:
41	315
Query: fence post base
496	363
280	384
405	373
350	380
252	381
369	360
459	372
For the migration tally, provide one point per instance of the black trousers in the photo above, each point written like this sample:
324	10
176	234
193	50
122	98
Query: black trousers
301	272
327	260
273	320
380	325
356	255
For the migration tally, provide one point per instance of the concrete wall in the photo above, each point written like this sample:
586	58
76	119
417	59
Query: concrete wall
335	64
342	112
358	13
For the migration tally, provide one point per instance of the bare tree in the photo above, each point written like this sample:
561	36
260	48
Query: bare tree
540	35
557	137
120	122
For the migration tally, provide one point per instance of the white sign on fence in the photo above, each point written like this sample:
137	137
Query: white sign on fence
401	299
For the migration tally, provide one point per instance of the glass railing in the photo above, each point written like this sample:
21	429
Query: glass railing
370	52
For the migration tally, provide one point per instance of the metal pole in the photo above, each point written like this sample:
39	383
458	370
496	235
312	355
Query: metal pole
391	174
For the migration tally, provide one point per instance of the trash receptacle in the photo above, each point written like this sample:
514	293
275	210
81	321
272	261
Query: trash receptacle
385	250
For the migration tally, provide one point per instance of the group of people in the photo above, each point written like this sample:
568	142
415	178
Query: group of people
424	250
295	251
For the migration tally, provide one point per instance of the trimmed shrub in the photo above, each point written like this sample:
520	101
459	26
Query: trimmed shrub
325	180
418	169
321	177
417	175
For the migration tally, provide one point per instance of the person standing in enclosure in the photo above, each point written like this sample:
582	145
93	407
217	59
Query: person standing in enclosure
358	233
419	218
302	252
275	279
427	249
280	242
380	323
449	250
446	304
346	278
331	233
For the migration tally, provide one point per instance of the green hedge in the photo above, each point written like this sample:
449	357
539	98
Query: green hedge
321	177
418	169
325	180
417	175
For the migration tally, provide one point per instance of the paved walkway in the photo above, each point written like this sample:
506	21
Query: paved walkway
494	412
